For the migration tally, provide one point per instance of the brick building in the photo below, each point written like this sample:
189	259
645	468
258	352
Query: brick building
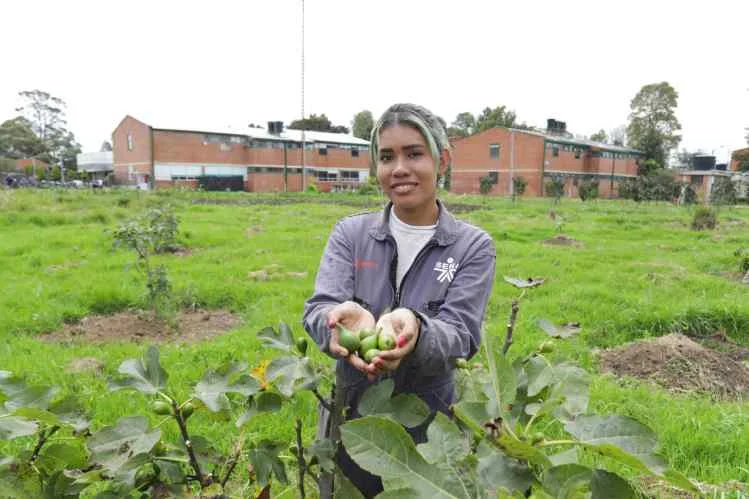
32	165
253	159
505	153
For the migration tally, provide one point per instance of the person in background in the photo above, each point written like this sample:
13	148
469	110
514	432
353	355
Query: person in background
413	267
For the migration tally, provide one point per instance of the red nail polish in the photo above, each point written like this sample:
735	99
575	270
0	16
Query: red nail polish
402	340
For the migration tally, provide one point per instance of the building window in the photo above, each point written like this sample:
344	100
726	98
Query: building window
577	153
129	141
224	147
354	153
555	151
697	179
493	151
323	151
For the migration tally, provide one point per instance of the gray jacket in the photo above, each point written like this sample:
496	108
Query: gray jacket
447	286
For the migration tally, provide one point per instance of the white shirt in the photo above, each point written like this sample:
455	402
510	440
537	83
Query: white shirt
409	239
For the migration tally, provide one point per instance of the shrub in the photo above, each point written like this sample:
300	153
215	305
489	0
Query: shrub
555	188
369	187
312	188
518	187
688	196
588	189
704	218
487	182
743	256
723	192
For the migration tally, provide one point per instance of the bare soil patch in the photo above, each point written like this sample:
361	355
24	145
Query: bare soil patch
680	364
142	327
562	240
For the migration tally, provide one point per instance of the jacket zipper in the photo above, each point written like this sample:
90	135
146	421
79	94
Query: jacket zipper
429	245
393	270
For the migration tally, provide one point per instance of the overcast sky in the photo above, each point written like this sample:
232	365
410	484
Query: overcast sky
220	63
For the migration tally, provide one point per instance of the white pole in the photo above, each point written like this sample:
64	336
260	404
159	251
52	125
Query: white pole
512	162
304	165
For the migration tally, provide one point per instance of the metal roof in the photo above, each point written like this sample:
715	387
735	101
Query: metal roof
578	142
262	134
95	161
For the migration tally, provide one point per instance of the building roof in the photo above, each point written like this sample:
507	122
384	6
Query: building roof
95	161
568	140
262	134
588	143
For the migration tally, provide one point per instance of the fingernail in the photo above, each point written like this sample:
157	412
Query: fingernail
402	340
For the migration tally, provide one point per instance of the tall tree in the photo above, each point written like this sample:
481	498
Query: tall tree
600	136
362	124
18	140
46	115
45	112
500	116
653	125
463	126
105	146
618	136
318	124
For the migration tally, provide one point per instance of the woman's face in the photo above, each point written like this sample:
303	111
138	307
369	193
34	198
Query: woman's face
406	173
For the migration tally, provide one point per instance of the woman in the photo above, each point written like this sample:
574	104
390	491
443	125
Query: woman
412	266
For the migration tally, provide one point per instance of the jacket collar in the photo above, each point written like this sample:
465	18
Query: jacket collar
445	234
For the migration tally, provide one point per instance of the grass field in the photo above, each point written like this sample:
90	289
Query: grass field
641	272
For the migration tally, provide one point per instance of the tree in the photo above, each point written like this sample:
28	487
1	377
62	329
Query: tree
46	116
723	192
600	136
653	125
317	124
18	140
618	135
105	146
463	126
500	116
743	159
685	158
362	124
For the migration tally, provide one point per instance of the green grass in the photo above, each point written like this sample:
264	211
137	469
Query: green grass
641	272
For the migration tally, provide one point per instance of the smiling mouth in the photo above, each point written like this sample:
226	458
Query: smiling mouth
403	188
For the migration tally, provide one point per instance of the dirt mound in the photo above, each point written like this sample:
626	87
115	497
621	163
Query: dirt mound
679	364
191	327
563	241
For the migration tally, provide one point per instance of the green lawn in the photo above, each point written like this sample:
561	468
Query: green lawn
640	272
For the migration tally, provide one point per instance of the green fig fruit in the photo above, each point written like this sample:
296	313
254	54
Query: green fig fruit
386	339
161	407
546	347
366	333
367	344
370	354
348	339
187	410
461	363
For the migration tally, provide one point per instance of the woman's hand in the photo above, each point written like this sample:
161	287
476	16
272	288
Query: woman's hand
354	317
406	326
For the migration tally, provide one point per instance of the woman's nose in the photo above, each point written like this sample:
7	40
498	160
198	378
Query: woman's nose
400	166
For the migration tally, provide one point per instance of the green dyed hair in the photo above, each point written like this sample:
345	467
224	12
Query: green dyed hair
431	127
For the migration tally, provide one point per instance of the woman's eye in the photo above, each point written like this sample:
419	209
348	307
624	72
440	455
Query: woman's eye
415	154
385	157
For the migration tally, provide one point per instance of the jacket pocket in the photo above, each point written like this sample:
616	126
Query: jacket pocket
432	308
363	303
